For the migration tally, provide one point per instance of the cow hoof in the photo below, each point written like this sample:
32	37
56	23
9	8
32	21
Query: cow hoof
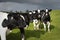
23	39
45	30
48	30
37	28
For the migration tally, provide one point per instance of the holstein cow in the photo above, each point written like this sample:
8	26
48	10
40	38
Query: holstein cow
10	21
16	20
27	16
45	18
37	14
35	19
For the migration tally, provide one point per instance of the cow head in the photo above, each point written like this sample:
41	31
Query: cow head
38	11
48	11
45	15
30	15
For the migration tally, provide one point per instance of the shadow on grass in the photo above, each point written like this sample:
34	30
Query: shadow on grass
14	36
51	27
34	33
28	34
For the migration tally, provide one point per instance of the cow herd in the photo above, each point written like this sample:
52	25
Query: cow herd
11	20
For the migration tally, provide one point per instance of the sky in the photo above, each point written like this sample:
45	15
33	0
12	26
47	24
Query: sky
28	4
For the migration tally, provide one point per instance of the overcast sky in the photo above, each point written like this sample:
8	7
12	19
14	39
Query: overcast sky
29	4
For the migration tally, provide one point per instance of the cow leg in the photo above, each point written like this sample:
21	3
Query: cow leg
34	24
27	25
38	26
3	36
48	23
8	31
3	33
22	33
44	26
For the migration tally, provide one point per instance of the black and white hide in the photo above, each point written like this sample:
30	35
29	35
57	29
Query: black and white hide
10	21
45	18
35	19
3	29
16	20
27	18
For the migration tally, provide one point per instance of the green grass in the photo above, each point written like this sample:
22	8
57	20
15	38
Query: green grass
40	34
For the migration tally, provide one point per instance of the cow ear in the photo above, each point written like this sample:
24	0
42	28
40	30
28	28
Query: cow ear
50	10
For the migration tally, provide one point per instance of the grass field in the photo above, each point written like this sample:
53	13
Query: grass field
40	34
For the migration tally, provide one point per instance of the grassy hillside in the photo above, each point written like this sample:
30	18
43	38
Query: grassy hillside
40	34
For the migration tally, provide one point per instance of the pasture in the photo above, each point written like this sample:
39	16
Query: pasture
32	34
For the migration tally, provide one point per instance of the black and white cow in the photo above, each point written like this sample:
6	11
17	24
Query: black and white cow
38	14
27	17
35	18
45	18
19	21
10	21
